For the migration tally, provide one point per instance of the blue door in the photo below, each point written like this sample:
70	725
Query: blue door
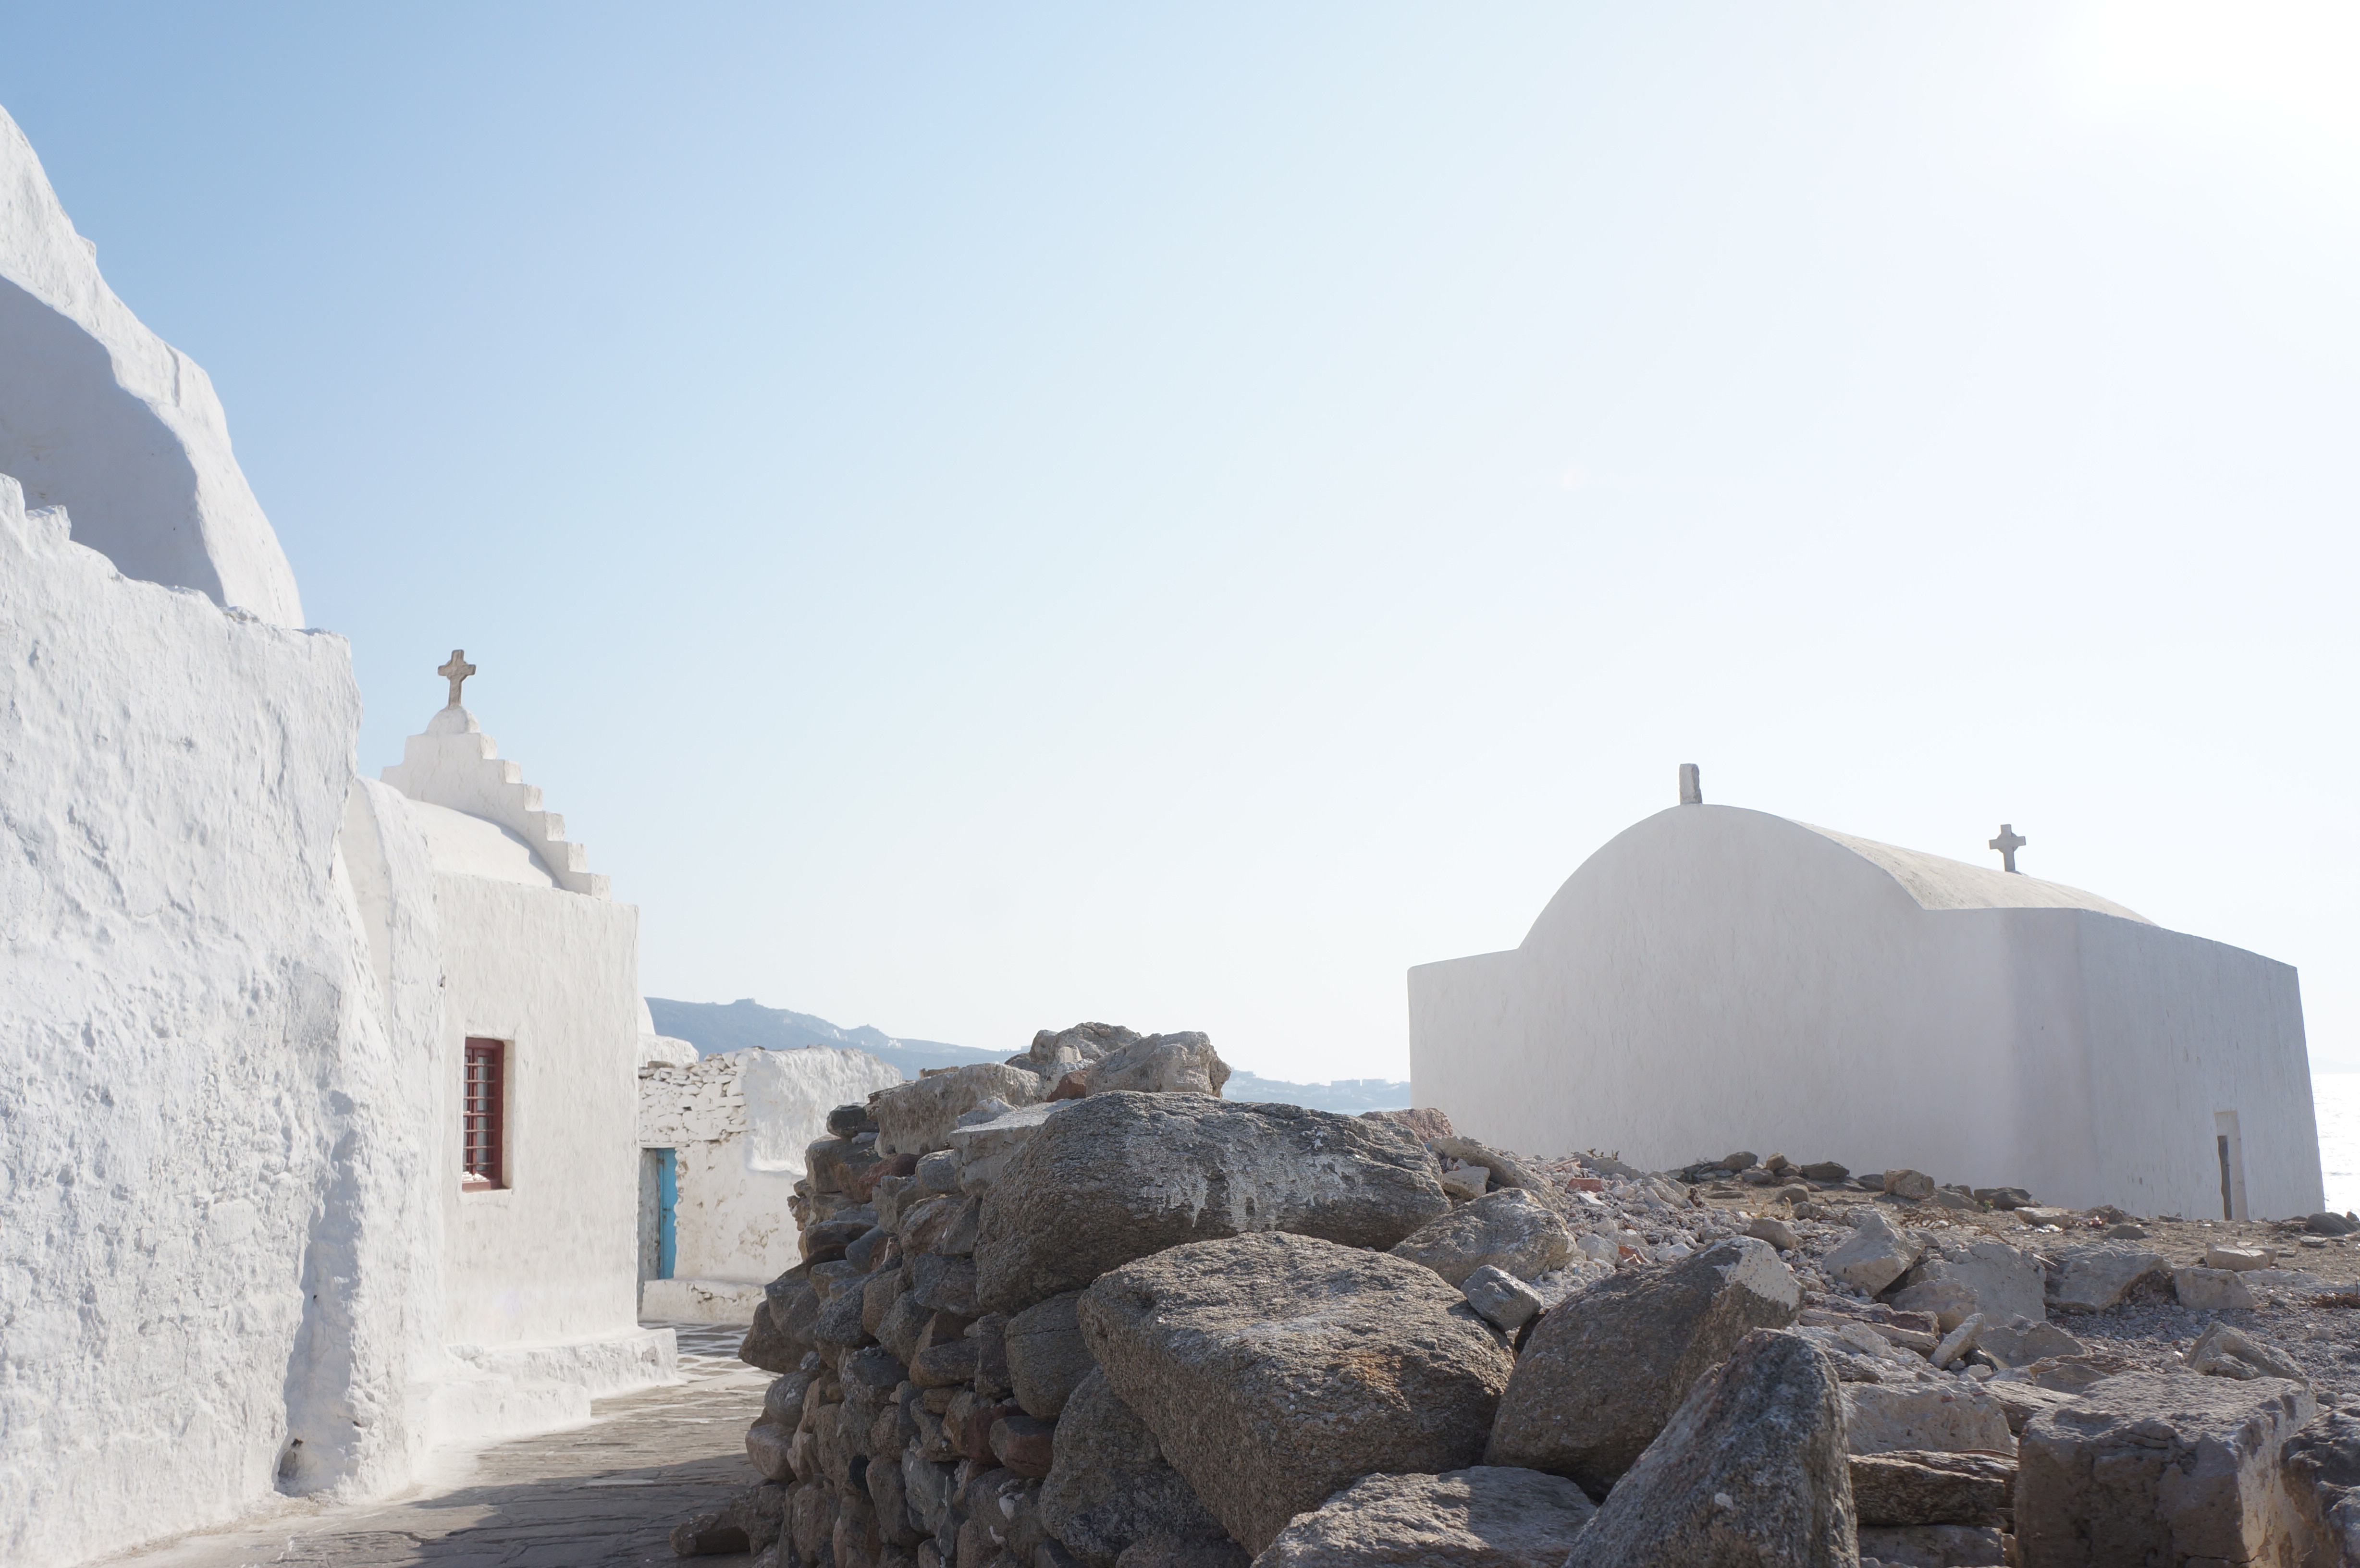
667	1211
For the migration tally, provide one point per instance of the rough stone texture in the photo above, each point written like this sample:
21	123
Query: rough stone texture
1109	1485
2092	1278
2161	1468
1481	1518
1119	1176
2223	1352
1501	1299
1425	1121
1054	1052
2238	1260
1933	1546
1274	1369
1914	1488
1603	1372
1047	1357
2211	1290
1749	1471
917	1118
1503	1168
1510	1230
1956	1281
1876	1254
1940	1418
1911	1184
984	1146
2320	1465
2021	1343
1184	1064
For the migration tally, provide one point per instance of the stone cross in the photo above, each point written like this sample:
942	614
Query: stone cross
458	670
2007	843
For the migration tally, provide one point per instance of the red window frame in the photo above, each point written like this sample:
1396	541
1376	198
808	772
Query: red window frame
482	1115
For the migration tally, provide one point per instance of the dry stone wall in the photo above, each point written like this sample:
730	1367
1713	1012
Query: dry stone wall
1148	1329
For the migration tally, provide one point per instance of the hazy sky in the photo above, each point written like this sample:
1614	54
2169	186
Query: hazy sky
986	516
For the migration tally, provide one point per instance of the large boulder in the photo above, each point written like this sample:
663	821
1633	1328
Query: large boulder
2322	1468
1603	1373
917	1118
1183	1064
1510	1230
1276	1369
1110	1486
1116	1177
1956	1280
1483	1518
1047	1357
1750	1470
2155	1468
2092	1278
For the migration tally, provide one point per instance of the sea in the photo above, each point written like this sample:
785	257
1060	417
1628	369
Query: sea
2336	1098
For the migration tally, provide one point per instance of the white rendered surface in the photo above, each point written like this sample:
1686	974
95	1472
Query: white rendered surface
208	1245
101	416
454	763
738	1124
1715	978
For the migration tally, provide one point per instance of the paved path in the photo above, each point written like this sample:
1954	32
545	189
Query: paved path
603	1496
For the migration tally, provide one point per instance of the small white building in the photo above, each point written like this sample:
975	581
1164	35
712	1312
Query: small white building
721	1147
1715	978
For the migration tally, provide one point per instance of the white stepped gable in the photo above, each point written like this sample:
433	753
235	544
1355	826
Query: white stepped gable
454	763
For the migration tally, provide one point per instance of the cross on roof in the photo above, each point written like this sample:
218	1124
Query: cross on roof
457	671
2007	843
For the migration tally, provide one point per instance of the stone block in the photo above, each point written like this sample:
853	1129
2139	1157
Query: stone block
1503	1299
1603	1372
1910	1184
2092	1278
1751	1469
2023	1340
2152	1467
1920	1488
1047	1357
1877	1253
1944	1417
917	1117
1184	1064
1955	1280
1510	1230
2211	1290
1479	1517
1933	1546
1119	1176
2240	1258
1110	1486
1276	1369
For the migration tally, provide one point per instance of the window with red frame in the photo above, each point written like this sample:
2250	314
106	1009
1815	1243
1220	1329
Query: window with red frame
483	1107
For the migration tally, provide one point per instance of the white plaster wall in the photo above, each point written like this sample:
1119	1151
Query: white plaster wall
203	1111
101	416
739	1123
553	1255
455	764
1716	978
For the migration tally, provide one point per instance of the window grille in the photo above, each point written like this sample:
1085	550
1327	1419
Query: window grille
483	1108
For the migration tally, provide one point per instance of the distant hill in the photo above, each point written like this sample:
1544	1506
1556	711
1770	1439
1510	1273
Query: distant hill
745	1024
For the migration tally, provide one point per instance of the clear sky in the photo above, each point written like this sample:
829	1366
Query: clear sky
986	516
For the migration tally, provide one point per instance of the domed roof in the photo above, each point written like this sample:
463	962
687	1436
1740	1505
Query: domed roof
1940	883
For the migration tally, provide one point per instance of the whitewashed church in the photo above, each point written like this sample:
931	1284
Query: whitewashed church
319	1095
1715	978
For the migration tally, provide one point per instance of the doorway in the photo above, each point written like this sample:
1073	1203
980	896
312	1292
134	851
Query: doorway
659	1213
2230	1148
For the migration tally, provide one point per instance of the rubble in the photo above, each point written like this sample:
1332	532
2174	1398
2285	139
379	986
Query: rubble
1040	1324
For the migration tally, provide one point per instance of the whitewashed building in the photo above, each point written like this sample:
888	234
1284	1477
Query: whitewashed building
1714	978
318	1095
722	1140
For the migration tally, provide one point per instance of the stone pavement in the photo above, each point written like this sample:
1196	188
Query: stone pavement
603	1496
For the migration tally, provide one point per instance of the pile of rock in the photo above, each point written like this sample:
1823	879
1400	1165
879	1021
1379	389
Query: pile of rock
1078	1310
